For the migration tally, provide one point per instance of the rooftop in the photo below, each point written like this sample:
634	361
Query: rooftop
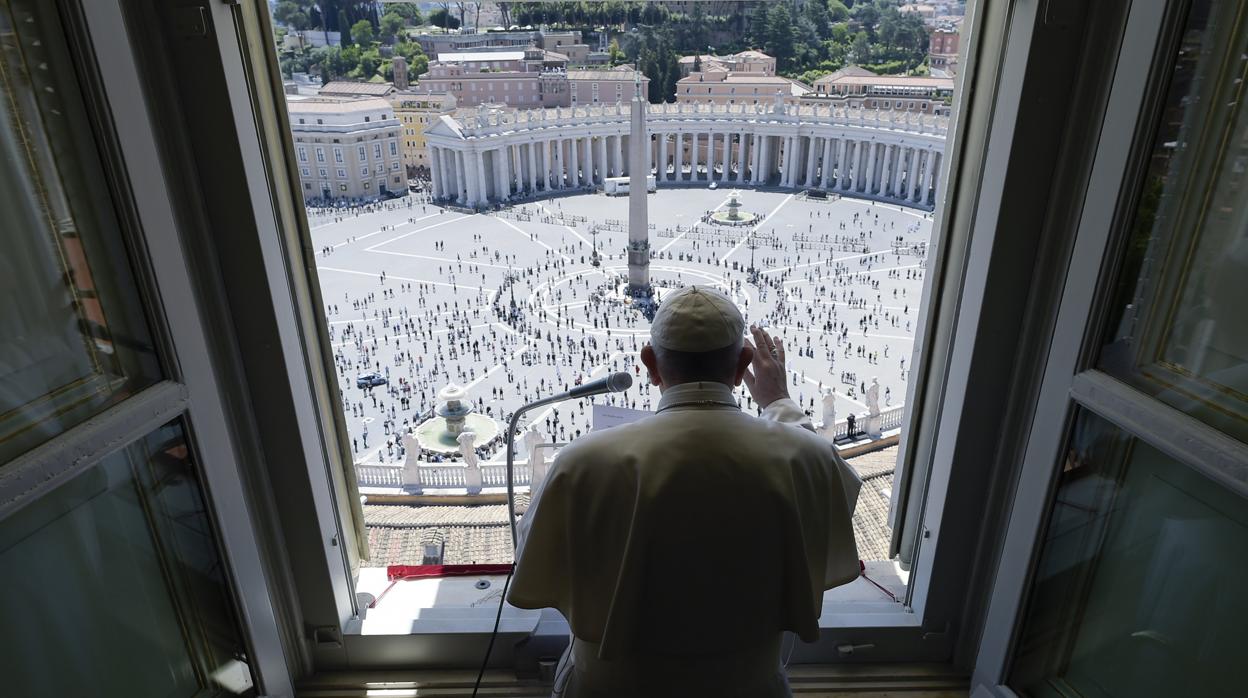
329	105
604	75
479	56
344	87
887	80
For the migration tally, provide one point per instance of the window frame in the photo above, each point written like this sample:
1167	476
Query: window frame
191	391
937	624
1071	381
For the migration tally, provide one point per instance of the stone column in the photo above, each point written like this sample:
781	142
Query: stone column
502	163
710	157
741	166
662	170
912	177
764	157
874	151
841	170
603	170
557	166
929	177
577	161
726	156
468	177
786	156
751	155
619	156
680	154
435	172
894	170
826	168
812	159
482	191
533	167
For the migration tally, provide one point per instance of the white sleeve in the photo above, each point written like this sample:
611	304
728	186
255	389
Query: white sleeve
785	410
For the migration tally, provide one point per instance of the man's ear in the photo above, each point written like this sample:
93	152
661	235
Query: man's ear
743	363
651	362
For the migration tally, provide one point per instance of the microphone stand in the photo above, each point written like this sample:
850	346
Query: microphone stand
511	457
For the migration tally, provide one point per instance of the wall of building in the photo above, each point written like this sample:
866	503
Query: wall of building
493	157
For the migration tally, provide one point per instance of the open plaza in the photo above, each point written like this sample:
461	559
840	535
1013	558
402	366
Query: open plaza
513	305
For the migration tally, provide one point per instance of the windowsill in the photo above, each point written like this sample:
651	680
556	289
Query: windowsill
453	605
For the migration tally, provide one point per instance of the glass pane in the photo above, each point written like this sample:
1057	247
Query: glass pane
1139	588
113	585
1176	328
72	334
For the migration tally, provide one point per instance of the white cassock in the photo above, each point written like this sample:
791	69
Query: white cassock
679	547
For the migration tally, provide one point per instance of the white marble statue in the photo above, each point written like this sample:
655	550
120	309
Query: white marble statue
873	397
466	448
532	444
829	409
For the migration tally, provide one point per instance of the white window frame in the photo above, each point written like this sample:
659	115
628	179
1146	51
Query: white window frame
964	227
1071	381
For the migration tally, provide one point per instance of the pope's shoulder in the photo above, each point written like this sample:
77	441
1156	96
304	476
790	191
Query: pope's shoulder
621	441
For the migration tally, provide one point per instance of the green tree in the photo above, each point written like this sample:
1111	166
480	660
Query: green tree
362	33
391	24
442	17
781	35
837	11
344	28
616	53
409	12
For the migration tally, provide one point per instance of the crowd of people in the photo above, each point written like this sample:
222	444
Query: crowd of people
553	321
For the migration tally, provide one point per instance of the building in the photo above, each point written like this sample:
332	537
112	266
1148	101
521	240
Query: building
717	85
943	44
346	148
350	90
568	43
530	78
435	44
399	67
750	61
527	79
860	88
885	156
605	86
415	112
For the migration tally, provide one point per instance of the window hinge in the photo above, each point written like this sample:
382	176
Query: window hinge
326	635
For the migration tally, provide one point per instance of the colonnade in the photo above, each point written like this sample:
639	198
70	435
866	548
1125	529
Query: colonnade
885	163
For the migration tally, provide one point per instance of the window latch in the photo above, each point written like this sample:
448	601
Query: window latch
847	649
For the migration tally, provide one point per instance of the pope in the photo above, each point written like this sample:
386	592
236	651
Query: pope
680	547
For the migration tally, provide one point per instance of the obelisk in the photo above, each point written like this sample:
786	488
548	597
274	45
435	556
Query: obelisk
638	216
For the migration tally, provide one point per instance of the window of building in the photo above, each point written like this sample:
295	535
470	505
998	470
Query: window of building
338	155
320	154
377	151
394	148
303	154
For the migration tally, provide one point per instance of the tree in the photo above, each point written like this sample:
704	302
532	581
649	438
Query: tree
781	35
291	15
615	53
391	25
344	28
442	17
409	12
362	33
837	11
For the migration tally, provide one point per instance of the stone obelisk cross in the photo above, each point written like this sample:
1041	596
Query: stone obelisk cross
638	216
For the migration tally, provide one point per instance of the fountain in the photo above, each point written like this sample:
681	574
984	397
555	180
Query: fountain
734	215
455	416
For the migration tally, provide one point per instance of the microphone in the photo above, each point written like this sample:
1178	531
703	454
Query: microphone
612	383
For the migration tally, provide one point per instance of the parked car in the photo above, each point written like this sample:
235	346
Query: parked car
369	380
